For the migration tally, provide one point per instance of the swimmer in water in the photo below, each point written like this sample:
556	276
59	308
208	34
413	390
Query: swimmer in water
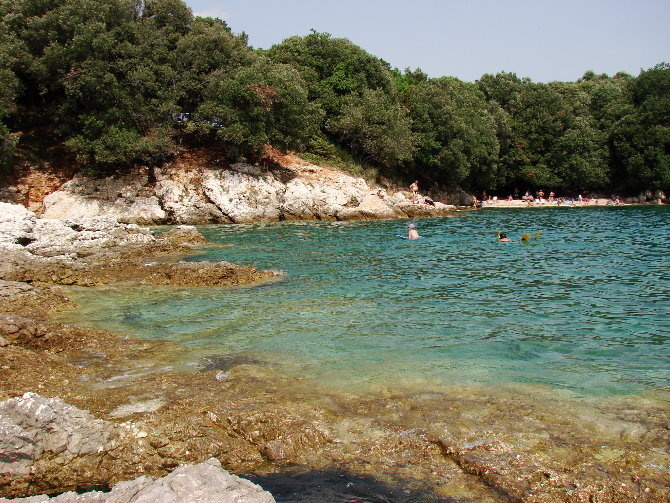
412	232
502	237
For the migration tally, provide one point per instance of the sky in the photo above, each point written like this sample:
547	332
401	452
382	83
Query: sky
544	40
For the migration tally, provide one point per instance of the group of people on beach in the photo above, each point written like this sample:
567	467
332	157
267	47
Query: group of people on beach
539	197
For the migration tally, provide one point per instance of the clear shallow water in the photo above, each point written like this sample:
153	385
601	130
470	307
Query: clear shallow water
585	307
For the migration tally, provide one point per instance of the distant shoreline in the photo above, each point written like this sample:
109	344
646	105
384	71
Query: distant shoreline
517	203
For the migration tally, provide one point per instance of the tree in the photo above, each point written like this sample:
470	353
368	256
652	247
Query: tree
457	135
171	14
375	127
209	46
641	138
12	54
264	103
333	68
101	72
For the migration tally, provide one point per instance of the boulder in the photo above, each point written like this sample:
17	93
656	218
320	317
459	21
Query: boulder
183	235
206	482
16	224
16	329
124	197
49	445
31	426
85	236
372	207
21	231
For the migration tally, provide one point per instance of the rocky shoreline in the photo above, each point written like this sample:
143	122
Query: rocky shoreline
64	448
196	189
118	411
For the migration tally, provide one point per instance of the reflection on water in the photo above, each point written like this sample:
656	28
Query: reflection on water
584	307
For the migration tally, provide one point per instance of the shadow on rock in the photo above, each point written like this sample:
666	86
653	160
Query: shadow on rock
338	486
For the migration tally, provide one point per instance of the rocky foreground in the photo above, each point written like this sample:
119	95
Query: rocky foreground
35	429
91	411
39	437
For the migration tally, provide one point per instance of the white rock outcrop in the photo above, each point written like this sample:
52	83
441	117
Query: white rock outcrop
206	482
21	231
33	428
16	224
31	425
129	198
240	193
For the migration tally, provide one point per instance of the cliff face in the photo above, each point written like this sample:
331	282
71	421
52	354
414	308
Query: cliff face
189	191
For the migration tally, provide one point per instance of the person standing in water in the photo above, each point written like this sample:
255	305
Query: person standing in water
412	233
415	190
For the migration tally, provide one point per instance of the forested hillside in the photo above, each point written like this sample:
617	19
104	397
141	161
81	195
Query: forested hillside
121	82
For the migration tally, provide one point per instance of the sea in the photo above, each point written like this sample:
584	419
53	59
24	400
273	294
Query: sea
562	338
582	305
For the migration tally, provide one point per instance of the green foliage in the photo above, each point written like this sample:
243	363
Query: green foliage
115	145
10	54
320	151
263	103
208	47
551	134
457	134
332	68
8	143
641	138
171	14
106	76
375	128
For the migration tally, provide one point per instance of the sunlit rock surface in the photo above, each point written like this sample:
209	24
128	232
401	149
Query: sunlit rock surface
99	250
182	193
46	439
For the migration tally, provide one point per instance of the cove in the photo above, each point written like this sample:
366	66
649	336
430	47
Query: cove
583	309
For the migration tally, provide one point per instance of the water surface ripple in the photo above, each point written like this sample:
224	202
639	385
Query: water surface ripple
585	307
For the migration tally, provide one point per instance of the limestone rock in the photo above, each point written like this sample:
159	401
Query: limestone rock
123	197
85	236
184	206
16	224
183	234
21	297
19	330
206	482
193	194
21	232
371	207
47	444
100	250
241	197
31	426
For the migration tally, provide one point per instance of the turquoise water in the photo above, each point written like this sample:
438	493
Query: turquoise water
585	307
